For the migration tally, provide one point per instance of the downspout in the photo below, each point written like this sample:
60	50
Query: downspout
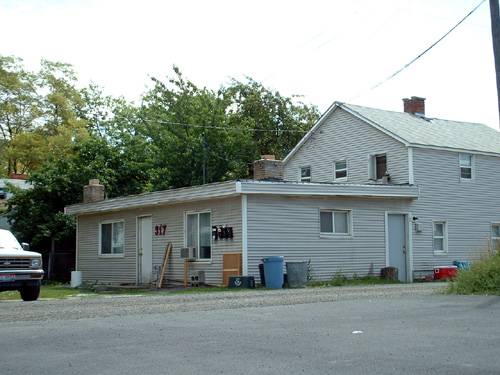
244	230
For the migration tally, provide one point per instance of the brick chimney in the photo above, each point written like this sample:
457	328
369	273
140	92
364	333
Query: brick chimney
93	192
268	168
414	105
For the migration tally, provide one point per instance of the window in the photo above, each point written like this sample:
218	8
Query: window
111	234
340	170
199	234
380	166
305	174
335	222
495	236
465	166
439	237
377	166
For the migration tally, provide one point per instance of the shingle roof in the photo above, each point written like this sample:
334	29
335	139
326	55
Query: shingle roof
425	131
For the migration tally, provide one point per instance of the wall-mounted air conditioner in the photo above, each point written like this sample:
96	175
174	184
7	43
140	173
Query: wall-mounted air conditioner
188	253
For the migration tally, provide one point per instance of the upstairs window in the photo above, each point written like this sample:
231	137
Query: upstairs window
340	170
377	166
465	166
495	236
305	174
439	237
335	222
199	234
380	165
112	238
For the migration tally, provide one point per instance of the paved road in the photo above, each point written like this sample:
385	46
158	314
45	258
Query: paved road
390	333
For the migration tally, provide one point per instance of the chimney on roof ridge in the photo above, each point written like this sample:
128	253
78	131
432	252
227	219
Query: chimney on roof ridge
93	192
268	168
414	105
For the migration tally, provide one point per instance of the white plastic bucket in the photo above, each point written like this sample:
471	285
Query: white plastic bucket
76	279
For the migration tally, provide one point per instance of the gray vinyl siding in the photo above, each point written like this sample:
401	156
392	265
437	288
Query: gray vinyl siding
289	226
98	269
467	207
123	270
344	136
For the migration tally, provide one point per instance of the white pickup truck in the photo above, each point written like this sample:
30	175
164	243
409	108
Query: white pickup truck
20	269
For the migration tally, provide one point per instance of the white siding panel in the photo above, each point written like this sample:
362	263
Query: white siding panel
289	226
344	136
467	207
123	270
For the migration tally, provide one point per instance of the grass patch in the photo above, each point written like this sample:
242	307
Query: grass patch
55	291
62	291
341	280
482	278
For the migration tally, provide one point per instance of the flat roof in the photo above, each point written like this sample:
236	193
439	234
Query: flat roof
238	187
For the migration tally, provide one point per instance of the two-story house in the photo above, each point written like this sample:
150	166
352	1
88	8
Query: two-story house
364	189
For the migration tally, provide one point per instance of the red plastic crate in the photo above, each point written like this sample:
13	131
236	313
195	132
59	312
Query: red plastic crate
445	272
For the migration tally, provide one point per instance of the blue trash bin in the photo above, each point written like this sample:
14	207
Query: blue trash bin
273	272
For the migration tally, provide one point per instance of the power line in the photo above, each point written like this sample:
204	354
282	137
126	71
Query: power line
224	127
422	53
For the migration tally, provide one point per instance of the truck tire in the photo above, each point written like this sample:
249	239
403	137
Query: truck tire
30	293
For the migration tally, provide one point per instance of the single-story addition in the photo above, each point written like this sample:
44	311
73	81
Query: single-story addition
123	240
364	189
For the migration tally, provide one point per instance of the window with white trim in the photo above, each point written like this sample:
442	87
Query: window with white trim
465	161
305	174
495	236
199	234
340	170
335	222
439	237
112	238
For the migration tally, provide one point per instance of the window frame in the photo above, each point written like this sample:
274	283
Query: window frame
335	170
198	213
332	211
444	237
307	179
372	165
111	255
494	238
471	167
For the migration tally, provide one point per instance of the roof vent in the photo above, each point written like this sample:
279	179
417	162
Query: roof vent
414	105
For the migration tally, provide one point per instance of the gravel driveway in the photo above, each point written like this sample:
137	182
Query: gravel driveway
120	305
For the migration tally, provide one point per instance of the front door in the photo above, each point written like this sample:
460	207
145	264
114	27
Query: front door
397	243
144	250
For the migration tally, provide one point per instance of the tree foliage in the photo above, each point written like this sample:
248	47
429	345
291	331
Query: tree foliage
180	135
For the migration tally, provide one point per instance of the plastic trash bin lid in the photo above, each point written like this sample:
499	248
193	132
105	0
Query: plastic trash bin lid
273	259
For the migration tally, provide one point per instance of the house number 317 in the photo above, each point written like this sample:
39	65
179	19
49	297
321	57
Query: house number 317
160	229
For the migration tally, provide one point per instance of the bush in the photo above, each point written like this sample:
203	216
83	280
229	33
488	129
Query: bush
482	278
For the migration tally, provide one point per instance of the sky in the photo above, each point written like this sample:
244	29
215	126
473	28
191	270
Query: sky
324	51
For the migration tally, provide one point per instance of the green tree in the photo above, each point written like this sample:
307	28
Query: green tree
278	122
199	135
20	107
37	214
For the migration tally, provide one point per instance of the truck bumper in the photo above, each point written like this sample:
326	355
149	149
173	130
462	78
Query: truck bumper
16	279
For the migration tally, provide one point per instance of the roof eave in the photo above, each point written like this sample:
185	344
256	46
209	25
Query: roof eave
174	196
334	190
454	149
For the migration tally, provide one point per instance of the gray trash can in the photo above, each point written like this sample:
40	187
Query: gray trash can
296	274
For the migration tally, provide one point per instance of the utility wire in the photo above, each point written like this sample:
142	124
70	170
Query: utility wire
224	127
422	53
